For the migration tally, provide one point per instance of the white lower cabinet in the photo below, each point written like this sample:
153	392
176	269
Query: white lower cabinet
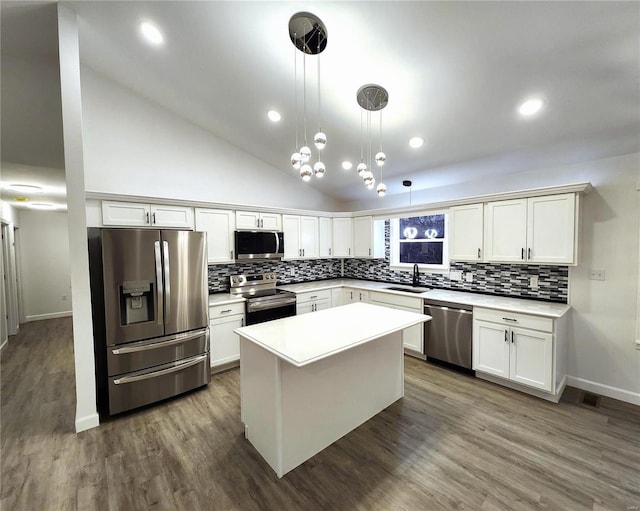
350	295
313	301
520	348
412	337
336	297
224	343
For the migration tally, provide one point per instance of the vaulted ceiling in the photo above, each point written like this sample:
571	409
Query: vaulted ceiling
455	73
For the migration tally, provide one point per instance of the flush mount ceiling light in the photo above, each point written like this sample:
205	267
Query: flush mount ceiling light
531	106
309	35
372	98
151	33
347	165
274	116
41	205
416	142
24	188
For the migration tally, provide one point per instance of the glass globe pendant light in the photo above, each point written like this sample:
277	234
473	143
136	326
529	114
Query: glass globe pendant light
309	35
372	98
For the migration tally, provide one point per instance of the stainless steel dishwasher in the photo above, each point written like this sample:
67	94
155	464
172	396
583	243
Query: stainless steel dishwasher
447	336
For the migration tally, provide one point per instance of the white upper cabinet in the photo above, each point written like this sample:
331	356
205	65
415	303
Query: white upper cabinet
538	230
342	237
466	232
300	236
325	237
506	231
133	214
551	229
258	221
219	224
363	236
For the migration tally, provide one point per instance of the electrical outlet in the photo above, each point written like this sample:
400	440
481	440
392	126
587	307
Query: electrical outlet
468	277
455	275
371	269
596	274
292	272
533	282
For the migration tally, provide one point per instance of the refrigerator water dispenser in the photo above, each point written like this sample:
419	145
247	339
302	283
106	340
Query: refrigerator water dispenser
136	302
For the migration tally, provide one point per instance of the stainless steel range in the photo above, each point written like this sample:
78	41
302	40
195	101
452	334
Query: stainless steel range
264	301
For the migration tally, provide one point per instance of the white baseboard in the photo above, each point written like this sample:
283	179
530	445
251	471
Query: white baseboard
51	315
88	422
604	390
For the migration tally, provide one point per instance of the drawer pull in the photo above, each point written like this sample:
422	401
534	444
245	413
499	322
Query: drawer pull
314	296
225	311
510	319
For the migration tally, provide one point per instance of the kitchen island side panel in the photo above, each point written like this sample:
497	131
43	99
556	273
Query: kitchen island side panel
292	413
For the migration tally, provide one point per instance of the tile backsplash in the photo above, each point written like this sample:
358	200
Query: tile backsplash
499	279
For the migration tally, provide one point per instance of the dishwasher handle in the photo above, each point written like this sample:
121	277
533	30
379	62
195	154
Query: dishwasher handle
452	309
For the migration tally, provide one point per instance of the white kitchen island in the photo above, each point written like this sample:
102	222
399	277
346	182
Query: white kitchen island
306	381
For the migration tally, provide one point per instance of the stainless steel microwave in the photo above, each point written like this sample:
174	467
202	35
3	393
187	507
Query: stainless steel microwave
257	245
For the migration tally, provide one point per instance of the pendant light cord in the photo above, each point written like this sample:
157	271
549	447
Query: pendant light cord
295	87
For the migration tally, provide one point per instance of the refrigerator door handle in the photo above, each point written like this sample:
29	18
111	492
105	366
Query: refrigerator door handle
159	286
161	342
167	280
154	374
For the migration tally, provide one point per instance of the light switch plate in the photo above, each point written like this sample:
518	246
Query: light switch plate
468	277
533	282
596	274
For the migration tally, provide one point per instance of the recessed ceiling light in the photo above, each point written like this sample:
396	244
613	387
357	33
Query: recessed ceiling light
274	116
21	198
151	33
41	205
531	106
347	165
24	188
416	142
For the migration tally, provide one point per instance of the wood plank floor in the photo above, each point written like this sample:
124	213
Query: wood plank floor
453	442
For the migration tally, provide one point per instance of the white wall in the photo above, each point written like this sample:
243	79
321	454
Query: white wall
134	146
44	264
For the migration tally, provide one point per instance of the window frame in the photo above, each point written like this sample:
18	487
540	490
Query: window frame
394	244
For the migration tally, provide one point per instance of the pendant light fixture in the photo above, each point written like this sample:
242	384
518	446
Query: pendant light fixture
309	35
372	98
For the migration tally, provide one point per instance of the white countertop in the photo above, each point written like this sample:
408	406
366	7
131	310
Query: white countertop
224	299
304	339
535	307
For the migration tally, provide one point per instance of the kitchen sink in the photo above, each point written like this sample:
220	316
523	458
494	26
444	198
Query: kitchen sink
408	289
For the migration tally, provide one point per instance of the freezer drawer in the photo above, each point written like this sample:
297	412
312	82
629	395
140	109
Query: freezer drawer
140	388
135	356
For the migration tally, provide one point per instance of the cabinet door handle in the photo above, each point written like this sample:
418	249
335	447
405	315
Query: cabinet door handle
478	253
349	252
154	219
147	217
369	251
506	336
522	254
231	254
303	252
511	336
329	251
510	319
529	256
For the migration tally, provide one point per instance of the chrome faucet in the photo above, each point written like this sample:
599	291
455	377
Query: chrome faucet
416	275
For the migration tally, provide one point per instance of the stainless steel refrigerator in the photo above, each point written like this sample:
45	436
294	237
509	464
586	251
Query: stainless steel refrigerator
149	301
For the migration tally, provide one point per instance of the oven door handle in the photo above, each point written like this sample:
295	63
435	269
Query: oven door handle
272	304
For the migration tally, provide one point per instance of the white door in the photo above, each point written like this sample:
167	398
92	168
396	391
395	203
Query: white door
247	220
325	234
225	344
291	230
551	229
506	231
126	214
336	297
363	236
308	236
176	217
271	221
466	230
342	237
491	348
531	358
219	224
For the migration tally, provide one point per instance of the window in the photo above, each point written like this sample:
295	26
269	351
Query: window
421	240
